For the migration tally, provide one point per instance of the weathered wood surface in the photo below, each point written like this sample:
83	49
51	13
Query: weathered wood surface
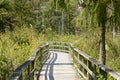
59	66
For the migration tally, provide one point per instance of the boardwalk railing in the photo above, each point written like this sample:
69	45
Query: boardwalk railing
27	70
91	69
87	67
59	46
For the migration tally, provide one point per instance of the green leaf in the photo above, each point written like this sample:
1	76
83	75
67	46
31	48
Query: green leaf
0	16
1	1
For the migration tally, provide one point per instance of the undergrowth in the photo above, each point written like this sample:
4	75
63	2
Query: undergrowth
89	43
16	47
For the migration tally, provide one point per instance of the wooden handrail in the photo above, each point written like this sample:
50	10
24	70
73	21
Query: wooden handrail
59	46
89	64
27	69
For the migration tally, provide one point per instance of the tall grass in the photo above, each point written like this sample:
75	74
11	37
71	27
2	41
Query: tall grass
113	52
89	43
16	47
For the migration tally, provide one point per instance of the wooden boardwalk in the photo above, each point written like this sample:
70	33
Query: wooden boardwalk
59	66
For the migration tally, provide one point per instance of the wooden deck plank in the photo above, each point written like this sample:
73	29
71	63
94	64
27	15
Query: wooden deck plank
59	66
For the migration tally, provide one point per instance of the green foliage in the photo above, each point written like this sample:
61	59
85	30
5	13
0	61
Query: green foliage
4	4
88	42
59	4
113	54
47	20
16	47
115	18
100	77
6	67
23	11
4	9
100	12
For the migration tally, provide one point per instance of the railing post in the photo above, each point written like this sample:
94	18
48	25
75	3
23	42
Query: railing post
21	76
90	67
103	73
83	69
32	68
47	51
28	70
94	70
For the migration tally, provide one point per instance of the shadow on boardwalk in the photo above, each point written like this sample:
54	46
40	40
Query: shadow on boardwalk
56	67
51	65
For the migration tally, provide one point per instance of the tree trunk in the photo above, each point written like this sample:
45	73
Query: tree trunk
102	54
